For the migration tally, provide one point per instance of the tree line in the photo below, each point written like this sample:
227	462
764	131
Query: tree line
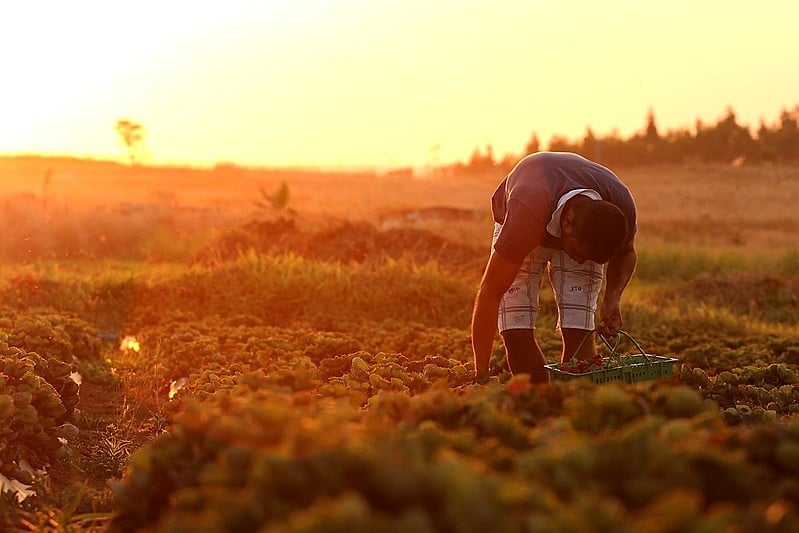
726	141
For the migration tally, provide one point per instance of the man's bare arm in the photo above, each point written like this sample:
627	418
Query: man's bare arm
620	271
497	278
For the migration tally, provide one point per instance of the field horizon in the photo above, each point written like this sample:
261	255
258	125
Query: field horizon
713	206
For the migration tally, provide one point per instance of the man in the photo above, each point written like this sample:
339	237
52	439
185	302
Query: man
562	212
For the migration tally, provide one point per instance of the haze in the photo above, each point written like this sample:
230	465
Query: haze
357	83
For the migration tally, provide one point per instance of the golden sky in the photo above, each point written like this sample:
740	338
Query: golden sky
344	83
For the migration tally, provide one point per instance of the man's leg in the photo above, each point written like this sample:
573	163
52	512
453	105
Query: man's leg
524	354
517	315
576	289
574	340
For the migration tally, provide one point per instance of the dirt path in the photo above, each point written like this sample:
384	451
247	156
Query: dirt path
90	464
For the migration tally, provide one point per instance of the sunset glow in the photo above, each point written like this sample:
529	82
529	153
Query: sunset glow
360	83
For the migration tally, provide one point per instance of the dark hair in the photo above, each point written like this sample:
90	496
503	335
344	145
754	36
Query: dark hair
602	226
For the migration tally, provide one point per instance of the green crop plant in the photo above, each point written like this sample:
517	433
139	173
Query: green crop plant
319	374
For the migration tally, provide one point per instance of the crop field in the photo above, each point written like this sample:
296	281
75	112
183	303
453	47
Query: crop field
232	349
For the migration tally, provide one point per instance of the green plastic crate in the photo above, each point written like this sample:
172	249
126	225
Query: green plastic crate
628	368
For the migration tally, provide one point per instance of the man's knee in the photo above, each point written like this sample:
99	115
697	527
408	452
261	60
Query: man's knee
518	341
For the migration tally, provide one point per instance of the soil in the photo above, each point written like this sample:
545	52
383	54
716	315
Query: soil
97	410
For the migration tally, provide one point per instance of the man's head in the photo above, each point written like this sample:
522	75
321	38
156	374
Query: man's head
592	229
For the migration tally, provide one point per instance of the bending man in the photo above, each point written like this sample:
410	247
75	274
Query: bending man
560	212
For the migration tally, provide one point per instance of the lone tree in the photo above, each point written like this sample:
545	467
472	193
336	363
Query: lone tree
132	135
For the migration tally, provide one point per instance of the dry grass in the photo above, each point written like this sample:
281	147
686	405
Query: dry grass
751	209
361	196
745	208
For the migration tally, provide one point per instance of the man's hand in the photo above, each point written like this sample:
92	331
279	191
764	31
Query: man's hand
610	319
619	271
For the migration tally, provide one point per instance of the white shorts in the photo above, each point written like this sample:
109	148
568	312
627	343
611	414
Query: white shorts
576	289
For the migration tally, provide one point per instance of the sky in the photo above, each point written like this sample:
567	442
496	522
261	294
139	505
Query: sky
372	83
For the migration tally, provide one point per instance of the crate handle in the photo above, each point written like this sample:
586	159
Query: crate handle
619	334
612	349
585	337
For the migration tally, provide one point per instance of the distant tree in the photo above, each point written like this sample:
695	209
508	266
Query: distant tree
559	143
591	146
679	146
479	162
780	143
132	135
766	146
645	147
613	149
508	162
787	136
726	141
533	145
651	132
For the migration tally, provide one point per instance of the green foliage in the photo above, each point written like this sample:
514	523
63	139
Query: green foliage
680	263
280	290
240	462
31	410
53	333
669	264
108	456
60	340
298	392
38	394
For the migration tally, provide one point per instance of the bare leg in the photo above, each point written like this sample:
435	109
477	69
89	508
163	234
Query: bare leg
524	354
572	339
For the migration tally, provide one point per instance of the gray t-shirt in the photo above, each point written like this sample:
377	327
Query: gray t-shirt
527	198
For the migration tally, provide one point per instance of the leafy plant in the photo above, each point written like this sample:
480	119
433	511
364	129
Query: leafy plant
277	201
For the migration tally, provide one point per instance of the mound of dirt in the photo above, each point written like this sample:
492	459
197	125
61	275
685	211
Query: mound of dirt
261	235
343	241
